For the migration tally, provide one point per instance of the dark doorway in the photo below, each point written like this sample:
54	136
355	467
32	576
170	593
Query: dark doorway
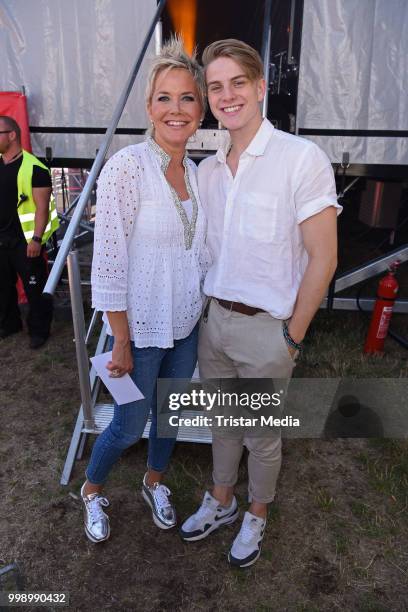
212	20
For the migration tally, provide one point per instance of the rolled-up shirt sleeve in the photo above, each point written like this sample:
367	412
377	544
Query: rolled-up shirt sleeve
316	187
116	207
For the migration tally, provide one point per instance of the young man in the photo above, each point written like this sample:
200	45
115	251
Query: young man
271	205
27	219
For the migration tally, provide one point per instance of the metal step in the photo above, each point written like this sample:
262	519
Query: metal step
103	414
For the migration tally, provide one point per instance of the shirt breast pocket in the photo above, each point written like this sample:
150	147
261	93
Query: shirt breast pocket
262	217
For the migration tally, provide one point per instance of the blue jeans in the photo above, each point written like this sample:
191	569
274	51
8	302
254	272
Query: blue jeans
129	420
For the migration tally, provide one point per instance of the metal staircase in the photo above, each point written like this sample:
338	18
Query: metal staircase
94	417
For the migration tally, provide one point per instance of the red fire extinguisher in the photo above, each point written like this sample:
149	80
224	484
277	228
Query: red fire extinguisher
380	320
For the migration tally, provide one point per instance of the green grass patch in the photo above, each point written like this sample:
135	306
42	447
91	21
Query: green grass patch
372	522
369	604
340	532
387	470
273	513
334	348
187	482
266	607
240	578
324	500
341	544
267	554
306	607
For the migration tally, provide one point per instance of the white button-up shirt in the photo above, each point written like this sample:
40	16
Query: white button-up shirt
254	237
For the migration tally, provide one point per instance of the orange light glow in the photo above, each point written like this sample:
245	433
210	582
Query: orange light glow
183	14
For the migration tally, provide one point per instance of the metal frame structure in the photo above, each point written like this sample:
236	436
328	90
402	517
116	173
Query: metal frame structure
372	268
12	572
266	51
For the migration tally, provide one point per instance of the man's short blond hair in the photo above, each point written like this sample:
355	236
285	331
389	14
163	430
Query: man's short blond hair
173	55
247	57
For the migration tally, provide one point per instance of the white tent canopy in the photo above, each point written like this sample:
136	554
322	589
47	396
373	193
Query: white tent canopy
73	59
354	76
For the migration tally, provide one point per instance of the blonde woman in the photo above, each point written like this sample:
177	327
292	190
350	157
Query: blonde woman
148	266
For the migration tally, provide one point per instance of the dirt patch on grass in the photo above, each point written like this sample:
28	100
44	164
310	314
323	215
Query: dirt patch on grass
337	533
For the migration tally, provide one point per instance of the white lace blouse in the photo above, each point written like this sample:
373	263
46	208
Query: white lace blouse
149	258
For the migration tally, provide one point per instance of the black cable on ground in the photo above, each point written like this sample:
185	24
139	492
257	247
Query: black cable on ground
400	339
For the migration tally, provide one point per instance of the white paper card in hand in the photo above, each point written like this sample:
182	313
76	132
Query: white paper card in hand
123	389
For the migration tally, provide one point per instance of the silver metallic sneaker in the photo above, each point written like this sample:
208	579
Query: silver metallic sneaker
96	522
157	497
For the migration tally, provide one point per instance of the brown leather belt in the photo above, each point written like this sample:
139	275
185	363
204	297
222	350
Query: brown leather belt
238	307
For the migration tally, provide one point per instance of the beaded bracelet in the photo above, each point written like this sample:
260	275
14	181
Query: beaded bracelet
289	339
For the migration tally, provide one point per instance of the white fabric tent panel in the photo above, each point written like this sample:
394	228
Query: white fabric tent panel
73	58
354	76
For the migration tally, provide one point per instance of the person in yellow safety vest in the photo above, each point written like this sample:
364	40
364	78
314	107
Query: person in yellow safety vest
28	217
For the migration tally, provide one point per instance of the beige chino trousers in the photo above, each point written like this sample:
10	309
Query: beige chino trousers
233	345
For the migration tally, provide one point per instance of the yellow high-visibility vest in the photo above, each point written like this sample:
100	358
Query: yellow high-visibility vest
26	205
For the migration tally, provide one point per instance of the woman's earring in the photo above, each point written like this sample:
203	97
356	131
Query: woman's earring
151	124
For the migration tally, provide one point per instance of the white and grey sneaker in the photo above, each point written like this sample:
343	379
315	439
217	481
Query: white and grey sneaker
96	522
246	547
209	517
163	511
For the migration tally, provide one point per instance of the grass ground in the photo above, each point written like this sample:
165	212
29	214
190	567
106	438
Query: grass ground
337	535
